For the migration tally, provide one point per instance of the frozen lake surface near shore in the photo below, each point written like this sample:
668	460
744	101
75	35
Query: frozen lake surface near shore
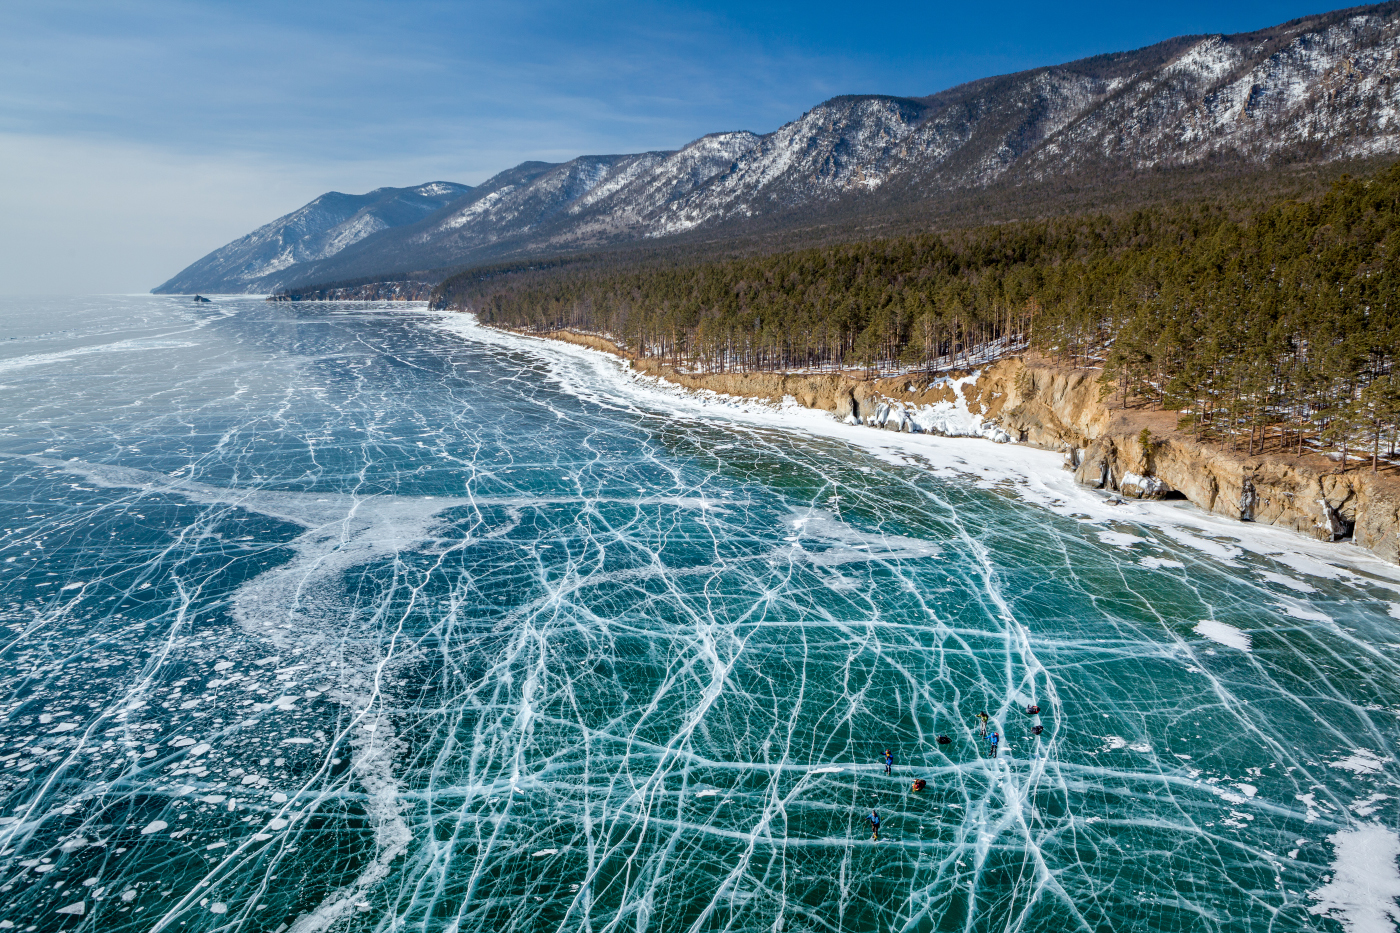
340	617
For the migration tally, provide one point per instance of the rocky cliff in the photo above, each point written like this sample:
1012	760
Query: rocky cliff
1039	403
1330	506
1036	402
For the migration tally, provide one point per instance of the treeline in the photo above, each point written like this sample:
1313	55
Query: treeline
1276	327
373	290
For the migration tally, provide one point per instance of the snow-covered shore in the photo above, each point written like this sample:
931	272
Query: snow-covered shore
962	451
950	418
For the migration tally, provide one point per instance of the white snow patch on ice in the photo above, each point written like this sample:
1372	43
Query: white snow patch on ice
63	356
1225	553
1290	582
1369	805
1361	761
1302	612
1312	566
1119	539
840	543
1224	634
1365	883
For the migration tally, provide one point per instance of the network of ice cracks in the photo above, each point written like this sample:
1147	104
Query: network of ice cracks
327	619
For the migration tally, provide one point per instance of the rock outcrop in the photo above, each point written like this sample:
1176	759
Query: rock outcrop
1357	505
1033	401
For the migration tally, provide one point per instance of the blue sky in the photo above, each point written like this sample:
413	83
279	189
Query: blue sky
137	136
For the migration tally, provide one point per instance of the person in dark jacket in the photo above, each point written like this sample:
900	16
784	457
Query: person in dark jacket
874	819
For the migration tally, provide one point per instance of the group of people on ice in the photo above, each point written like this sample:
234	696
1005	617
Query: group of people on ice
985	728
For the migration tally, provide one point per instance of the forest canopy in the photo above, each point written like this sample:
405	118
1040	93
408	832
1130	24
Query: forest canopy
1278	323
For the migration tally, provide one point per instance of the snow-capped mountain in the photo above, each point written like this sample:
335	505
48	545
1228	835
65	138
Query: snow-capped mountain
259	261
1321	88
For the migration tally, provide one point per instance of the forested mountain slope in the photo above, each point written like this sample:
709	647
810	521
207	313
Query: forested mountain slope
1315	90
1277	327
260	261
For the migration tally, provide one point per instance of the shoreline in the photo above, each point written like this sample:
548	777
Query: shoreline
1039	475
1029	401
1281	566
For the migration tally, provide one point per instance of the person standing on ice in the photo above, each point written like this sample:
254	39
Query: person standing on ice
994	740
874	819
889	762
982	719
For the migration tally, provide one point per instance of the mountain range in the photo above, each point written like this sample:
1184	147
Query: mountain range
1316	90
319	230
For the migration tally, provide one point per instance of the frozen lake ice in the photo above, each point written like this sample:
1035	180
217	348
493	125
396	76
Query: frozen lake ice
333	617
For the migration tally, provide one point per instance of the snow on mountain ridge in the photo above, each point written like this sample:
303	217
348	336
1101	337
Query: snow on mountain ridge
483	206
352	231
1320	88
316	231
1208	62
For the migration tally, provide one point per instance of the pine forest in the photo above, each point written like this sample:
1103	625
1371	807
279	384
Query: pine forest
1268	329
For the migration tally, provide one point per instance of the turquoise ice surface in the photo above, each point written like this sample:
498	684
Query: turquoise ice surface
320	617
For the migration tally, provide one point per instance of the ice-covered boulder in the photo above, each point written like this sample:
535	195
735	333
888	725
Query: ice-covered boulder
1142	487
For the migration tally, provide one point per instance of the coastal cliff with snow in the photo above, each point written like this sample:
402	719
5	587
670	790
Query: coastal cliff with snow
1032	401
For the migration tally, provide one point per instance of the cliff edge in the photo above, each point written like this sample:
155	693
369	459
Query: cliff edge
1034	401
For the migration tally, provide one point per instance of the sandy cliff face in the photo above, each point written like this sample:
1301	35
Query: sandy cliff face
1035	402
1063	409
1329	506
1040	404
1059	408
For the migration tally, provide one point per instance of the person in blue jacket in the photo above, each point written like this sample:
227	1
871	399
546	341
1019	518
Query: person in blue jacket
994	740
889	761
874	819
